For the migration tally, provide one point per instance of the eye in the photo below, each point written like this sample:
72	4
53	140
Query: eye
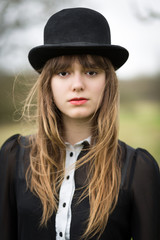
91	73
63	74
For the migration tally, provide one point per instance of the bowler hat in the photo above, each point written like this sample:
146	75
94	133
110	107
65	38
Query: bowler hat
77	31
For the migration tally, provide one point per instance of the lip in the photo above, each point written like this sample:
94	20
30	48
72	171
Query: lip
78	101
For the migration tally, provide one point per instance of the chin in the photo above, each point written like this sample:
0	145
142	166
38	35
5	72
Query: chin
81	116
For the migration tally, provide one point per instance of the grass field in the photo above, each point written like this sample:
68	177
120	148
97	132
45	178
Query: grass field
139	127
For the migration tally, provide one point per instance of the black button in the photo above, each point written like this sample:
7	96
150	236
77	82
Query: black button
61	234
64	204
68	177
71	154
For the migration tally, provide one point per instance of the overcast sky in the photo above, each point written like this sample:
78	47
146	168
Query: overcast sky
140	37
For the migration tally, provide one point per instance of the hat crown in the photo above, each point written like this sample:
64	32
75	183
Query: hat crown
75	31
77	25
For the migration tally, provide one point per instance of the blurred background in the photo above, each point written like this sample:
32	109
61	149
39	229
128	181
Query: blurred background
134	24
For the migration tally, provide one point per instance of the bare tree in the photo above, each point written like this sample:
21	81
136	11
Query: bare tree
18	16
148	10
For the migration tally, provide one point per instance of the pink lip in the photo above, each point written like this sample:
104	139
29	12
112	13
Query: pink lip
78	101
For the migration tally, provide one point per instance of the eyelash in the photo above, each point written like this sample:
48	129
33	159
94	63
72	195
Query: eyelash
61	74
90	73
93	73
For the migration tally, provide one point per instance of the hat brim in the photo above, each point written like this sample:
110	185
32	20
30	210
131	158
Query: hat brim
39	55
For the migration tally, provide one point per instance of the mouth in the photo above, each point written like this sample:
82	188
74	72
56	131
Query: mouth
78	101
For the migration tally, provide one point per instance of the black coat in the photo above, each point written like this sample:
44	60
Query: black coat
136	215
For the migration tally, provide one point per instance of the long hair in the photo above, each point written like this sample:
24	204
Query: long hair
47	157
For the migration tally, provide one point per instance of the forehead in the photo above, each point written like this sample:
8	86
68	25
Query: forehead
86	61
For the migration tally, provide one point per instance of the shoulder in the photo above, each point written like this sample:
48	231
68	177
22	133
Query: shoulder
12	149
8	156
138	165
10	145
139	156
14	142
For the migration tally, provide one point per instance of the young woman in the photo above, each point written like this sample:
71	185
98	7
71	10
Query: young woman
73	179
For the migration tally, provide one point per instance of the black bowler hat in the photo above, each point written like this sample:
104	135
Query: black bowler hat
77	31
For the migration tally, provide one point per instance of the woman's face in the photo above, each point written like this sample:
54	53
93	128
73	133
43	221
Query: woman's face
78	92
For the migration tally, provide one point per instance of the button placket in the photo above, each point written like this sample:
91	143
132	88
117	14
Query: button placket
63	217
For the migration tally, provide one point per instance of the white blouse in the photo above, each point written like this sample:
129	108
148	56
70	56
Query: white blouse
64	215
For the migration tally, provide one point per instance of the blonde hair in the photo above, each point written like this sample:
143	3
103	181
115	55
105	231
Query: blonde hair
46	171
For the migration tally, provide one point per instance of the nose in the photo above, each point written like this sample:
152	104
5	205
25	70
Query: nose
78	83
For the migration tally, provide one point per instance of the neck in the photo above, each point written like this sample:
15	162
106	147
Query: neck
76	130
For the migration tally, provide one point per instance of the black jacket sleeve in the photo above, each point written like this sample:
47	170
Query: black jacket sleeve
8	211
145	195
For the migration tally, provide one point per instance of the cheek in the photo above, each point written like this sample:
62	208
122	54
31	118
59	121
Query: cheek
57	93
54	87
99	88
99	92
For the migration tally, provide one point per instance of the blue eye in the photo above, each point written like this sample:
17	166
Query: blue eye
63	74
